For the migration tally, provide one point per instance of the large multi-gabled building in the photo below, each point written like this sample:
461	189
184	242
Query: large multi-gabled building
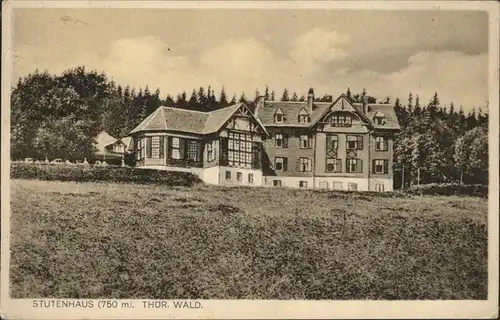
335	145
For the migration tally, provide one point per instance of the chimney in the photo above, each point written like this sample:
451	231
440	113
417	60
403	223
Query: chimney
310	100
365	103
259	104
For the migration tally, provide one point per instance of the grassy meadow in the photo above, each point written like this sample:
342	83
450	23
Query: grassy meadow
97	240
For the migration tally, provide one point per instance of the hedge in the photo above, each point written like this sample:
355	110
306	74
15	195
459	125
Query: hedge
448	189
87	173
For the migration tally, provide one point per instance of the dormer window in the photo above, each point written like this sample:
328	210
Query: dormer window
303	119
379	121
278	116
379	118
304	116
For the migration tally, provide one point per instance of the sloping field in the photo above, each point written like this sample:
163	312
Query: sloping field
91	240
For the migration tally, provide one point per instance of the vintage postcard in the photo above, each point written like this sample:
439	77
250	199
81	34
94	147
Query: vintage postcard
249	160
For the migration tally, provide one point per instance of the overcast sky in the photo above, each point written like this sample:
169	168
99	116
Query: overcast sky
390	53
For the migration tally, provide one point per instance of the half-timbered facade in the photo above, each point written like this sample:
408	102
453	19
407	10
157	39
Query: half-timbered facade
223	147
335	145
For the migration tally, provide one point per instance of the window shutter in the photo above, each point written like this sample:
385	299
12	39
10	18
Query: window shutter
162	146
360	165
285	141
339	165
360	142
373	166
328	142
148	147
182	147
386	166
285	164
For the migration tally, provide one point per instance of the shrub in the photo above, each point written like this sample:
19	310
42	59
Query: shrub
81	173
448	189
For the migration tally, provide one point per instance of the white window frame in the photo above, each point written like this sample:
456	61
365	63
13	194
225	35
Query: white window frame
175	148
278	118
281	161
351	139
276	183
155	147
381	163
335	163
302	184
379	187
250	178
279	137
239	176
356	162
305	164
381	143
304	141
228	175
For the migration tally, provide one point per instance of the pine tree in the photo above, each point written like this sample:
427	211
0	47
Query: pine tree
295	97
193	103
266	93
223	98
302	98
348	94
233	99
285	96
242	98
272	96
169	102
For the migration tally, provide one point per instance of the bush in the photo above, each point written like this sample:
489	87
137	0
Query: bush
81	173
448	189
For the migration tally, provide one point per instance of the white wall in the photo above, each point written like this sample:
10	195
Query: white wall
211	175
288	182
257	177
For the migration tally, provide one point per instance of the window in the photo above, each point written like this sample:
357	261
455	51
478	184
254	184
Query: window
192	150
240	150
239	176
143	148
381	144
228	175
281	140
280	164
211	151
355	142
334	142
354	165
333	165
277	183
323	184
341	121
138	149
303	118
155	147
278	116
380	166
305	141
337	185
352	186
250	178
379	187
302	184
379	120
175	148
305	164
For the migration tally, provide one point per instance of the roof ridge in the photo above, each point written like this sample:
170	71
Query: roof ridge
187	110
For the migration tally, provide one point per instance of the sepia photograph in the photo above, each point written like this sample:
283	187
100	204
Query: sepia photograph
163	156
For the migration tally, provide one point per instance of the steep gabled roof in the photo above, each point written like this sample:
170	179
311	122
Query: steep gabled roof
391	120
343	104
291	111
190	121
104	139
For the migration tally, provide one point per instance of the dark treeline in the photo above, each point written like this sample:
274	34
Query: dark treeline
58	116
